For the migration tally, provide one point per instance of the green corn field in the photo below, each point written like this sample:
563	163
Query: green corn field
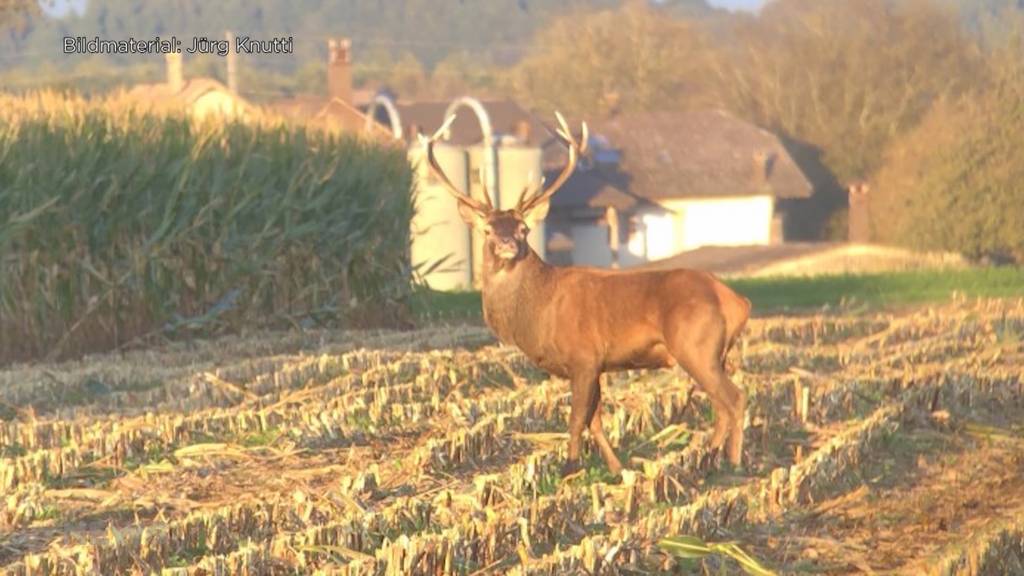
117	227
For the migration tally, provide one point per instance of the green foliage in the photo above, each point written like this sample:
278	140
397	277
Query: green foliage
462	73
261	438
775	294
407	76
954	182
693	548
888	289
114	226
186	556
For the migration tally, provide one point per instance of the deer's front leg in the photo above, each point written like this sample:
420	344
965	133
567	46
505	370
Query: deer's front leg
584	388
597	433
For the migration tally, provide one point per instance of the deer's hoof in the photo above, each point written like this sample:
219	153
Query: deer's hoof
734	465
712	459
570	467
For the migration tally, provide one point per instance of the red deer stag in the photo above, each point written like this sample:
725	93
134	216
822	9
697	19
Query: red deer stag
578	323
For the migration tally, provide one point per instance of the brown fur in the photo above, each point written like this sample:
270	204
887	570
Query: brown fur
578	323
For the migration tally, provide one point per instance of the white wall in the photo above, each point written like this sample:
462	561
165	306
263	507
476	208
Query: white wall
661	235
215	104
739	221
685	225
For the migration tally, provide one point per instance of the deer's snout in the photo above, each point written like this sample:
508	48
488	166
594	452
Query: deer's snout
506	248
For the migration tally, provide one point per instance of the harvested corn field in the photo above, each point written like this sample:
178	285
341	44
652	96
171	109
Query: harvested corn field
876	442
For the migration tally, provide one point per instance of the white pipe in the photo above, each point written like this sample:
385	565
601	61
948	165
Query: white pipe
490	153
394	119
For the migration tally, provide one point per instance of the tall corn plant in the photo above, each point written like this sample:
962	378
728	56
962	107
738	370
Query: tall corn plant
116	225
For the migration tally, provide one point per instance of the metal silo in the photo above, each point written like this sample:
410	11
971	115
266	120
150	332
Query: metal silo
476	158
437	227
518	166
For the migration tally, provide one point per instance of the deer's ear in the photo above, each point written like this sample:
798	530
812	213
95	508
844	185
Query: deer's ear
536	213
471	216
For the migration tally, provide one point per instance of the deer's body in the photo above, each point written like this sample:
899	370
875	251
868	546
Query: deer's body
578	323
563	318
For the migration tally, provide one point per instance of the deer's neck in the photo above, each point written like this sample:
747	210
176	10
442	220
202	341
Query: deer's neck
512	295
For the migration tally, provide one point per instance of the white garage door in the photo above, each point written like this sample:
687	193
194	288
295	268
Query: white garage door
661	235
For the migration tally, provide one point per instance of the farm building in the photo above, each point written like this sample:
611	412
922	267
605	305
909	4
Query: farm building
202	98
343	107
652	186
658	184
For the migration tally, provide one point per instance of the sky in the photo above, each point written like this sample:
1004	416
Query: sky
61	7
737	4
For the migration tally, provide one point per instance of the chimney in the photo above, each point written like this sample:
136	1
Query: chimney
175	77
522	131
612	102
231	59
859	217
339	69
763	162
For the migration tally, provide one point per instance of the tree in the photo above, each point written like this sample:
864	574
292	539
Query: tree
408	77
954	182
845	76
17	14
461	73
10	10
633	58
495	30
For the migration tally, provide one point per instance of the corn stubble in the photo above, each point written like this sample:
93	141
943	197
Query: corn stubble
386	453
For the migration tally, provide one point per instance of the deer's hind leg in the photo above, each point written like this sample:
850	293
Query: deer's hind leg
730	405
699	349
735	322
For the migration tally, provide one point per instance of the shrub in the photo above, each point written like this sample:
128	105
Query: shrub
954	182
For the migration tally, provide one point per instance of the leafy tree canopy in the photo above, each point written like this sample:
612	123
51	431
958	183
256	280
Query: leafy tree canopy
633	58
954	181
846	76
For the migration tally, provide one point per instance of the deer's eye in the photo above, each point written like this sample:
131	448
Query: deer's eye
523	229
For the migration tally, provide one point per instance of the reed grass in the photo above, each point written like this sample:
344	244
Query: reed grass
117	225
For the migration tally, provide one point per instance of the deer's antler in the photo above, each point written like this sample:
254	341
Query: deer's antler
436	169
576	149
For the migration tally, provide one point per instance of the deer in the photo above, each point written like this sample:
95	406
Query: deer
577	323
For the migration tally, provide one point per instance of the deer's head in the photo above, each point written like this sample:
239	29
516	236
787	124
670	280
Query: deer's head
505	231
